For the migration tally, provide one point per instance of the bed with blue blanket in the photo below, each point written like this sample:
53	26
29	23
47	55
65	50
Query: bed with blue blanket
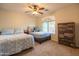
41	36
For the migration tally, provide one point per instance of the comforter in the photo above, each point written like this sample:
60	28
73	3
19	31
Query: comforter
40	34
11	44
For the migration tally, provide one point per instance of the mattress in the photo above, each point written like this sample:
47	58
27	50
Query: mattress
40	34
11	44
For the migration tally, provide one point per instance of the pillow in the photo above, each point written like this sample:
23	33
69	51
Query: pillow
7	32
0	32
30	29
17	31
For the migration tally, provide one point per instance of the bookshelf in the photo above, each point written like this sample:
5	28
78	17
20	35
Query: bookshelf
66	33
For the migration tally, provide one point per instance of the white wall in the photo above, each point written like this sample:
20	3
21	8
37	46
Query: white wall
15	20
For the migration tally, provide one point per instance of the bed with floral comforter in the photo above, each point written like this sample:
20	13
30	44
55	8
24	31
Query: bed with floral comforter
11	44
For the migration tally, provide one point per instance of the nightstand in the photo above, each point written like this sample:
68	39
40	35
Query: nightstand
26	32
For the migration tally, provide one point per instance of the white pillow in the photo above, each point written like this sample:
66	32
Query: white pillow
7	32
17	31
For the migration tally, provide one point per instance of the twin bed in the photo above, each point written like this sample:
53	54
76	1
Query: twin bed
14	43
41	36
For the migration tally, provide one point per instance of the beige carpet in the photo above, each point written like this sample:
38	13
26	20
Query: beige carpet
50	48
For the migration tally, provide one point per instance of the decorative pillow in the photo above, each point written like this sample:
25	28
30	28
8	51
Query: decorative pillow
0	32
29	29
7	32
17	31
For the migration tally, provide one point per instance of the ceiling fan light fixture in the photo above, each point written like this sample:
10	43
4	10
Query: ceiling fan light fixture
36	9
35	13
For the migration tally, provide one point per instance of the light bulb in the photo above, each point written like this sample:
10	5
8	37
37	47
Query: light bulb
35	12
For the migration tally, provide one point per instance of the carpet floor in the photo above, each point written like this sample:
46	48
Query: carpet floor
49	48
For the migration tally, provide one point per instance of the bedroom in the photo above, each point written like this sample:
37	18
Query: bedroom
16	17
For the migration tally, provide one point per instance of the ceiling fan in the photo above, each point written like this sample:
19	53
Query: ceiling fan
36	9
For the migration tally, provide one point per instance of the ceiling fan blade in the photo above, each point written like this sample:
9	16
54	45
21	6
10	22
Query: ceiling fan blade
46	9
27	11
40	12
30	7
41	8
35	7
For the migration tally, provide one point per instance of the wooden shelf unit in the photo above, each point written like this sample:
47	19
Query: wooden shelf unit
66	33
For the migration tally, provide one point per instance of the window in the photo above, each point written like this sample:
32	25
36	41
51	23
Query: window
45	26
49	26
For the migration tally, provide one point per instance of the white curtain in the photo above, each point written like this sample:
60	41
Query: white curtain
49	26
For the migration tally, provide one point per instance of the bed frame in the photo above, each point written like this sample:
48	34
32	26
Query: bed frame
41	40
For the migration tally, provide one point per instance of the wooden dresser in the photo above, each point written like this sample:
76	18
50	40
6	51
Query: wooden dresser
66	34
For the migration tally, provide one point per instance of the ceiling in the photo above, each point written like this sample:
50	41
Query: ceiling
22	7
